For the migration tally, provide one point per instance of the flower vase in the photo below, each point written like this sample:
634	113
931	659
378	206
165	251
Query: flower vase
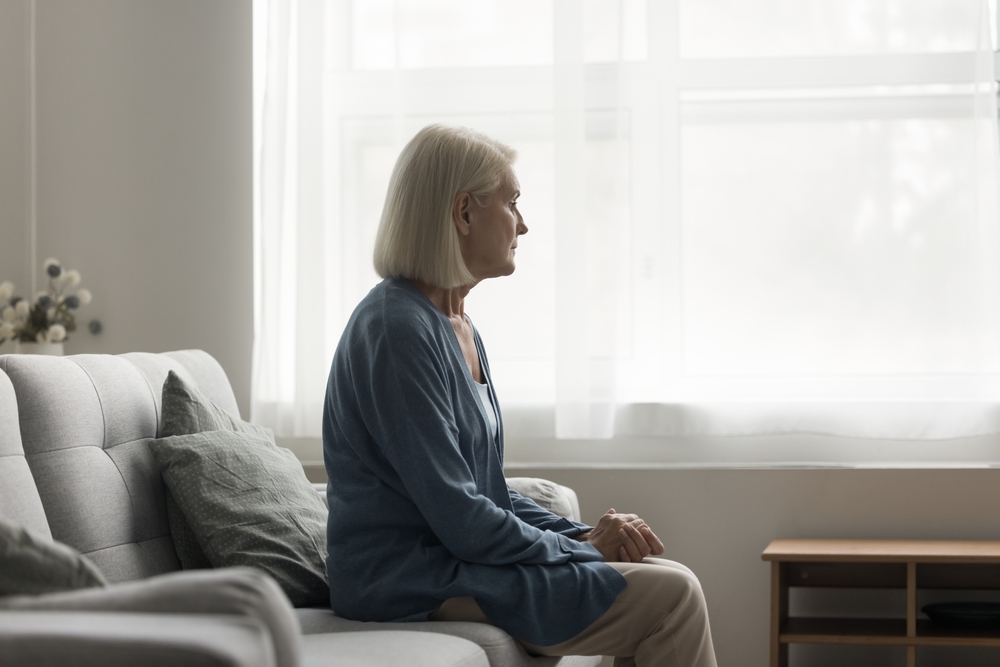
51	349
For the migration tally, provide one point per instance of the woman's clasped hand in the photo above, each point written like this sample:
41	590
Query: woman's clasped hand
623	538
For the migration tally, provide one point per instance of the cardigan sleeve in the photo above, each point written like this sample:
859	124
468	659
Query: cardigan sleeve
530	512
411	416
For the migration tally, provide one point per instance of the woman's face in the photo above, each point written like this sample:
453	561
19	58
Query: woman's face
489	233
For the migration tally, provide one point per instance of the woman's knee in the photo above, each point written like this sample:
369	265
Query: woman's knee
663	562
671	586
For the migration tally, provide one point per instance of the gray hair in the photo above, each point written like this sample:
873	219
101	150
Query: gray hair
416	237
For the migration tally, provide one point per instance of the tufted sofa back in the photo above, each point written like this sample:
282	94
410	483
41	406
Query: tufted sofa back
19	501
84	423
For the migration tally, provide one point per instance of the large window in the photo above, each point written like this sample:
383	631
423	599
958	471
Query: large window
745	216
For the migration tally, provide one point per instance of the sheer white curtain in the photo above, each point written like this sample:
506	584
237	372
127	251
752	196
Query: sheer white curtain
746	216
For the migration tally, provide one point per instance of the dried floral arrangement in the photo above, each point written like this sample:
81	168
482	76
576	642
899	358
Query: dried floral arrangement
50	318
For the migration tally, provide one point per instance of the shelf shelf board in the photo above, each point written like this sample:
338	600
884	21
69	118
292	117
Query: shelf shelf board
960	576
881	631
843	631
883	551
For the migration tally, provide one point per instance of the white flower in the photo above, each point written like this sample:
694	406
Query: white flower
40	337
71	278
6	330
6	290
57	332
84	296
51	261
22	308
9	314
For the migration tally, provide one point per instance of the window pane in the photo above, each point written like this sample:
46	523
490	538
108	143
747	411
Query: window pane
775	28
425	34
614	30
430	34
840	247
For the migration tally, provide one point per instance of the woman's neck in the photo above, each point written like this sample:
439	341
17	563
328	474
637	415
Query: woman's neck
450	301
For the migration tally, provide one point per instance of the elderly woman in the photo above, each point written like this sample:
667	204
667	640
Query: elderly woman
422	522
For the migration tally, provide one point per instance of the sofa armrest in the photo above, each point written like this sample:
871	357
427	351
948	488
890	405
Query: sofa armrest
556	498
232	591
101	639
573	501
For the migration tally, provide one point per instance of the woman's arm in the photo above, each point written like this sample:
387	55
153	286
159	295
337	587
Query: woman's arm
533	514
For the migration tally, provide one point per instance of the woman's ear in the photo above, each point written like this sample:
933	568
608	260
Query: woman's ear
460	212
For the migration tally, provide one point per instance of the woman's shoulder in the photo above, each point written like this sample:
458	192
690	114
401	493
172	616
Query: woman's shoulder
395	307
396	321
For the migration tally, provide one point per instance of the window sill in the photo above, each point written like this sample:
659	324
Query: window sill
792	451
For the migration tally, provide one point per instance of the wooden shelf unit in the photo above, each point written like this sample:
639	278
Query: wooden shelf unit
906	564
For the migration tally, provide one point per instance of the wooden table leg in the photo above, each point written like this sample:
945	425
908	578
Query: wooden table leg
779	613
911	612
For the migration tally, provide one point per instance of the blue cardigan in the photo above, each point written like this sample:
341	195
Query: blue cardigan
419	508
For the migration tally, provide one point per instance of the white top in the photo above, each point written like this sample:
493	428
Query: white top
491	413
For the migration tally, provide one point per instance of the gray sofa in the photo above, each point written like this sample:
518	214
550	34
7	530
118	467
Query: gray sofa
75	467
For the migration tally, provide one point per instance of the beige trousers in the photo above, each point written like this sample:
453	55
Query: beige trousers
659	620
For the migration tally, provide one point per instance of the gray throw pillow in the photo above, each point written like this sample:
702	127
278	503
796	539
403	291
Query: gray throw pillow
249	503
186	546
31	564
186	410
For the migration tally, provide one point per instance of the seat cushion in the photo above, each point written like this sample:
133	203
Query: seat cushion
32	564
501	649
390	649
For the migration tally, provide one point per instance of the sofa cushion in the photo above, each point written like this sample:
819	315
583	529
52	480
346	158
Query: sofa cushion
501	649
31	564
249	503
390	647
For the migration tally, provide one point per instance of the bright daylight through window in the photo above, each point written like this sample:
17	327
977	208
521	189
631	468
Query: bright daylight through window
746	216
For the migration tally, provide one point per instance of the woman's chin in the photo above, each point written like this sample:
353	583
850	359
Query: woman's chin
498	272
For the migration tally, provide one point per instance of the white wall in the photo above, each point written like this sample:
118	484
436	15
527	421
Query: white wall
13	147
144	140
